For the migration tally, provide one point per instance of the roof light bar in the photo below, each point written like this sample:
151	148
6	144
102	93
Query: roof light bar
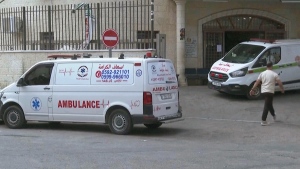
262	40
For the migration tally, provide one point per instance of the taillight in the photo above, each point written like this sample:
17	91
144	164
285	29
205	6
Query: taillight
147	98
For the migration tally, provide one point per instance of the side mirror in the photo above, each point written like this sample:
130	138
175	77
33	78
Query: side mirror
21	82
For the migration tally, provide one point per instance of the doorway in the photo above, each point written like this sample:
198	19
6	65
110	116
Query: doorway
222	34
233	38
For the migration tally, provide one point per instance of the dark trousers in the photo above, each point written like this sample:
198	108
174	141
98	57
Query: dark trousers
268	106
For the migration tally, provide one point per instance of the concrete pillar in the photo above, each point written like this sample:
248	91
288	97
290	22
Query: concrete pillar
180	45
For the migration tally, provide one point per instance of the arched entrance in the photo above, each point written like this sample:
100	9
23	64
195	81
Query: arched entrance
221	34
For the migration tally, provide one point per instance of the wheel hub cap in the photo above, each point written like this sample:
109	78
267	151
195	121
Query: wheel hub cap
119	122
13	117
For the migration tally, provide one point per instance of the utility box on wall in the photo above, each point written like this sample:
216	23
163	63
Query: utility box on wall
161	45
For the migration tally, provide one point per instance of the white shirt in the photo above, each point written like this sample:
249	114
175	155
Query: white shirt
268	79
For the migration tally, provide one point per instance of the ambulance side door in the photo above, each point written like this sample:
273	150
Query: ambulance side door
278	65
288	73
73	96
36	92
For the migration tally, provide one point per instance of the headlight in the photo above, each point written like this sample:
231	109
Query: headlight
239	73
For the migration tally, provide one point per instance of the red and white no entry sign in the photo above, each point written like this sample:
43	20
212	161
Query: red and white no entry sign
110	38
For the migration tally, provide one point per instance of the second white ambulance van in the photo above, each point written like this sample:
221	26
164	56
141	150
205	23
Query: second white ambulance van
119	92
237	71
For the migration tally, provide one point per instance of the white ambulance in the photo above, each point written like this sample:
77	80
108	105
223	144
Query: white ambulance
237	71
118	92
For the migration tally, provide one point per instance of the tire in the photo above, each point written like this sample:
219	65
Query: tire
257	93
14	117
153	126
120	122
1	119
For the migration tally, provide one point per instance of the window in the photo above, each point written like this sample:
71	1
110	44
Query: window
39	75
46	39
271	55
161	73
243	53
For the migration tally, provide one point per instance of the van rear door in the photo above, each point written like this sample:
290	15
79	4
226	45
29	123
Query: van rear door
162	84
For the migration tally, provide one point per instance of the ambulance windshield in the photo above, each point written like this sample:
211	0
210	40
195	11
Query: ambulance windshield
243	53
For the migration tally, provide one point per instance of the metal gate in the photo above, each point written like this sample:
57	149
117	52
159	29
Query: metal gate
213	47
79	26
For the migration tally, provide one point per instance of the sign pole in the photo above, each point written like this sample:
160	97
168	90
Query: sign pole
110	52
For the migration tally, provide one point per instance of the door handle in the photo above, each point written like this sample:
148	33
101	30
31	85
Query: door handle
47	88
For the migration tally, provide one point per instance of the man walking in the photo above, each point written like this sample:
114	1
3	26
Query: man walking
268	79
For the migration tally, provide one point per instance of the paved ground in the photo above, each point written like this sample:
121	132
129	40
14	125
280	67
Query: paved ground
219	132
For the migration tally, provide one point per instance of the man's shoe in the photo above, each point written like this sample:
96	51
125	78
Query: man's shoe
264	123
274	118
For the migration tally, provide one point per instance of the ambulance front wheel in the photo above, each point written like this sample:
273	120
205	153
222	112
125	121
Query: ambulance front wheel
14	117
1	120
153	126
120	122
256	92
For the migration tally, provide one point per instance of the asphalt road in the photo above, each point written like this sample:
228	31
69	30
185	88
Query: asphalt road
219	132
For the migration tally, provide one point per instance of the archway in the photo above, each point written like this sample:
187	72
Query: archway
220	32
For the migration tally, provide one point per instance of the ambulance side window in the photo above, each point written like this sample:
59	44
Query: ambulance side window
262	61
39	75
271	55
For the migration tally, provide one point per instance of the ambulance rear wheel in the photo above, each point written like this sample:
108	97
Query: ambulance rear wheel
14	117
154	125
120	122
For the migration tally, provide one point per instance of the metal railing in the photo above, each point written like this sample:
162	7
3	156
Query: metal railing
77	26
